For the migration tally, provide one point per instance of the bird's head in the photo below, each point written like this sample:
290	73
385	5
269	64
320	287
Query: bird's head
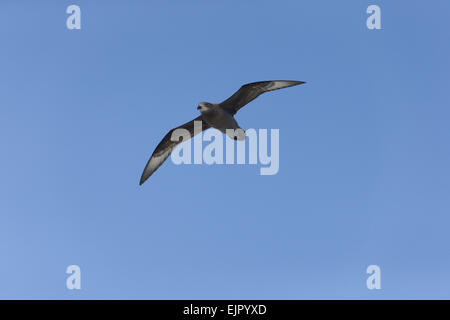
204	107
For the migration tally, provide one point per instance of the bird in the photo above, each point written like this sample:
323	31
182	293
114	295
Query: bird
219	116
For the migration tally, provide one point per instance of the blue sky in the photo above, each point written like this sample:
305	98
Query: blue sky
364	150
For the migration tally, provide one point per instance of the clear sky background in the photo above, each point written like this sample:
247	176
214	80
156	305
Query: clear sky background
364	150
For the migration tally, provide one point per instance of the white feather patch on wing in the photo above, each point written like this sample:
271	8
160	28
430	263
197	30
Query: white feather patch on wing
156	161
280	84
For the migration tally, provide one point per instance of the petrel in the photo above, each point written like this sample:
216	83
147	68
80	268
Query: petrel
219	116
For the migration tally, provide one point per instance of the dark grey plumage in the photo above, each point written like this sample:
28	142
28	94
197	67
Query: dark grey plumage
251	91
165	147
219	116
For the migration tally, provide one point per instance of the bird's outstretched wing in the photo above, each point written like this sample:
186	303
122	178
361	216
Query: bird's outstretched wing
165	147
251	91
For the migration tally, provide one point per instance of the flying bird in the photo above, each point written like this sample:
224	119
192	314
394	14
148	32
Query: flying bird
219	116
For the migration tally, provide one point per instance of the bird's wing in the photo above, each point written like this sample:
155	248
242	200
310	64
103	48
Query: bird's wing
251	91
165	147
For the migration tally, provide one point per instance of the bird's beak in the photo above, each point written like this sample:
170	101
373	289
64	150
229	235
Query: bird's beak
198	108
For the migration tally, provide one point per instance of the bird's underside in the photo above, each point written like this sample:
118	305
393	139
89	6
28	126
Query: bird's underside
219	116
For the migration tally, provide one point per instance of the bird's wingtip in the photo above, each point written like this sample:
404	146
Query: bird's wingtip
141	182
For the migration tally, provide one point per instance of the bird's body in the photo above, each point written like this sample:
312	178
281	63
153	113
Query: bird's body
219	116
